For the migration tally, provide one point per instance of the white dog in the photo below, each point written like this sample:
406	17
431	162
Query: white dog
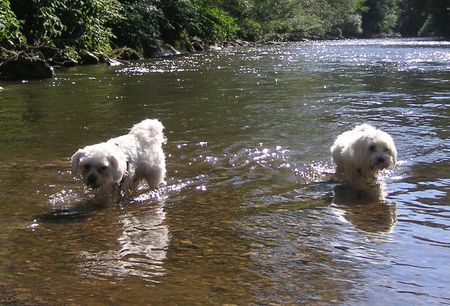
359	155
122	162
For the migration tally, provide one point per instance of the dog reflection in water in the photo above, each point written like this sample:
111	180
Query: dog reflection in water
143	239
365	209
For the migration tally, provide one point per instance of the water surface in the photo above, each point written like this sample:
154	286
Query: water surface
248	214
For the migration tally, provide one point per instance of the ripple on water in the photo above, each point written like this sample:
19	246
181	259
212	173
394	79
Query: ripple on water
248	198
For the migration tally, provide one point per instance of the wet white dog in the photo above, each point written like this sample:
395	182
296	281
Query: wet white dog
122	162
359	155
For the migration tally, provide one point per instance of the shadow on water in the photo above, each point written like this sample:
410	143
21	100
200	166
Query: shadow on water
77	212
68	206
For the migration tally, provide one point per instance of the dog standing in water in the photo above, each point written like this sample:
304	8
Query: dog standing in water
122	162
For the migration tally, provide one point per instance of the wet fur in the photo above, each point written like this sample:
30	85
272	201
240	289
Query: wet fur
360	154
120	163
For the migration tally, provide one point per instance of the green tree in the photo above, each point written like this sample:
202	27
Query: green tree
411	16
215	23
293	19
196	18
86	22
138	26
380	18
438	21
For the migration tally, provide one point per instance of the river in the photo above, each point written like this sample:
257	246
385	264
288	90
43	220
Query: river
248	214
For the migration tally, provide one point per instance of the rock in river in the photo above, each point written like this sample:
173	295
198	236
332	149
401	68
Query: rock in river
23	66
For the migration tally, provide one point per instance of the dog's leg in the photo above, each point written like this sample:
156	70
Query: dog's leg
154	177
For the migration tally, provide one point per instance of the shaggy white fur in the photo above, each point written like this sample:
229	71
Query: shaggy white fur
122	162
359	155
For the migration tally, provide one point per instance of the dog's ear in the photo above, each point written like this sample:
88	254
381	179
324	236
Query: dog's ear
116	168
113	162
394	157
76	160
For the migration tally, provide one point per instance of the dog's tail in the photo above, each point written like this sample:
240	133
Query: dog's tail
150	131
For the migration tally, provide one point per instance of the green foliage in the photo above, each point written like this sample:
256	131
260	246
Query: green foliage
180	18
344	18
215	24
236	8
439	17
250	29
408	17
9	25
85	22
360	6
295	19
78	23
142	24
380	18
196	18
138	26
411	17
45	24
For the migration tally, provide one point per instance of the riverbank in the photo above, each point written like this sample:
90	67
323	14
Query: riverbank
30	62
31	29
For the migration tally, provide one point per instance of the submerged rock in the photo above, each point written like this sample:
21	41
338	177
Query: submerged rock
23	66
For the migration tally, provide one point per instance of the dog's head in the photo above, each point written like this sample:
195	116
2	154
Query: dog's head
98	167
376	151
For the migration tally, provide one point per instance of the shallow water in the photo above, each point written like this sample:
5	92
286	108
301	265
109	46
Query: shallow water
248	214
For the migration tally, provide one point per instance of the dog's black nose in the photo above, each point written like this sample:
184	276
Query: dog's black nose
91	179
380	160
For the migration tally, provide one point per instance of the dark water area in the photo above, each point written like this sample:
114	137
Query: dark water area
248	214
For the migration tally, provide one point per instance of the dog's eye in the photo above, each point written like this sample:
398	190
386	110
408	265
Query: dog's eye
386	150
372	148
86	167
102	168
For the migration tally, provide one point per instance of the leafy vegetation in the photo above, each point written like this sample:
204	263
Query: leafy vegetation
9	25
101	25
77	23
